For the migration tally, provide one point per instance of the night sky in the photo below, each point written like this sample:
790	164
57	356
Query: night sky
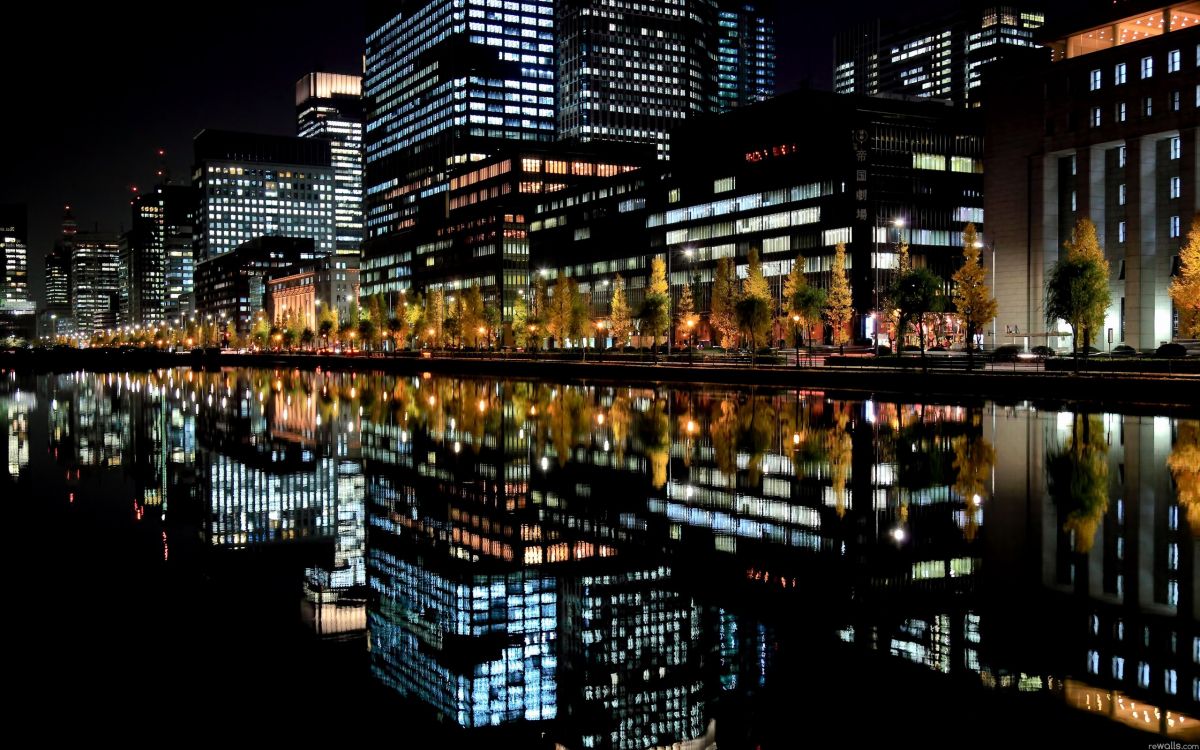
94	92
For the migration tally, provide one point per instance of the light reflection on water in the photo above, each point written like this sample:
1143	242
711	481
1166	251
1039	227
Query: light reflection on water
617	566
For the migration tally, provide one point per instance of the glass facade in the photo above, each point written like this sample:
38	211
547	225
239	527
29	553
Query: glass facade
942	59
253	185
94	281
329	106
631	71
156	263
442	78
745	54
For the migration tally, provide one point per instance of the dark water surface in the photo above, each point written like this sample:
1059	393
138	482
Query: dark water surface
286	556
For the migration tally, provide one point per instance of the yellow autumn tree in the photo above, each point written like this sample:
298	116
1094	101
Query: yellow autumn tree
839	308
1185	288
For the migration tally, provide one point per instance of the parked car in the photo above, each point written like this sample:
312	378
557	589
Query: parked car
1171	350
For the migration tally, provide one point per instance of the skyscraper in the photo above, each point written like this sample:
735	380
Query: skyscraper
252	185
16	309
631	70
444	78
14	255
942	58
745	53
156	256
329	107
94	281
58	264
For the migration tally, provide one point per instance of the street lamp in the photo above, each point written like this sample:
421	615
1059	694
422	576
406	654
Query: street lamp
796	337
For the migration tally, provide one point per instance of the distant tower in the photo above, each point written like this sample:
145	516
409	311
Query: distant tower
58	264
329	106
745	53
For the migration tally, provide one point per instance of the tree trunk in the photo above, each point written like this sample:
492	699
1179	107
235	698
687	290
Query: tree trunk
1075	347
970	347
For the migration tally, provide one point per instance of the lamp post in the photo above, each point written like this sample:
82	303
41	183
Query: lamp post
796	337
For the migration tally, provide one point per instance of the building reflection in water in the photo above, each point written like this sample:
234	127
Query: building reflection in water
611	564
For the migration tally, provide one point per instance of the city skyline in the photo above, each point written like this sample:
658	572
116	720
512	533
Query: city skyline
177	95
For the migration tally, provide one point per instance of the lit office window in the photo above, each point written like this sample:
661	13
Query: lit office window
1147	67
1173	60
1176	186
1176	147
1095	117
1173	228
1119	74
1120	231
1120	111
1095	80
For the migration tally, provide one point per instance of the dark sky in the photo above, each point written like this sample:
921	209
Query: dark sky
91	92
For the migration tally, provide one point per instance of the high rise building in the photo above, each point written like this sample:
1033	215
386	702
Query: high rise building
745	53
444	79
632	70
16	308
94	281
58	264
54	314
942	58
329	106
252	185
1106	131
156	256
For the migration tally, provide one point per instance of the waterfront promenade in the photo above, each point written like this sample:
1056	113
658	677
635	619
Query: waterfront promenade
1001	382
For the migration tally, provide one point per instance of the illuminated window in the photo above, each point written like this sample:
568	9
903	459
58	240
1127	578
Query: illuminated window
1095	117
1173	227
1120	231
1121	155
1176	185
1147	67
1095	80
1147	106
1121	194
1120	111
1119	74
724	185
965	164
1173	61
531	165
1176	144
935	162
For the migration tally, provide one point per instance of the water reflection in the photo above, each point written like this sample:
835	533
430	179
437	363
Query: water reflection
624	566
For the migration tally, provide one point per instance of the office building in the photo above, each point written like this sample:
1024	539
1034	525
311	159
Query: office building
94	281
302	291
16	308
156	257
444	79
745	53
54	315
251	185
942	58
869	173
483	236
633	70
231	287
329	107
1106	131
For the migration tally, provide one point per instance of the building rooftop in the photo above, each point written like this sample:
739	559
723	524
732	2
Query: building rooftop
1122	22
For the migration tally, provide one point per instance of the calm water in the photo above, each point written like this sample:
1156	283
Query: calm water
275	554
